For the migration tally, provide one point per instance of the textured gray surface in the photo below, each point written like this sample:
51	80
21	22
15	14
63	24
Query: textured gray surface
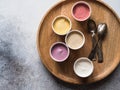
20	65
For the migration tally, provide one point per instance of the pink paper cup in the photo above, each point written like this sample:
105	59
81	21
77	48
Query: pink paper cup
81	11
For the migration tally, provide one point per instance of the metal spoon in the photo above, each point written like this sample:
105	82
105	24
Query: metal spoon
102	30
91	25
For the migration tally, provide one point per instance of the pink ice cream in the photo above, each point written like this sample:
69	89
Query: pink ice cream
81	11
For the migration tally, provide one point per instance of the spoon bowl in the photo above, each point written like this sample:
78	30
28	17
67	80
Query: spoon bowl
91	26
102	30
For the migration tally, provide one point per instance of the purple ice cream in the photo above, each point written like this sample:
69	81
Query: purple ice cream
59	52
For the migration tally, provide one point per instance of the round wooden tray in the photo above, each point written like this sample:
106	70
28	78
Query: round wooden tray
101	13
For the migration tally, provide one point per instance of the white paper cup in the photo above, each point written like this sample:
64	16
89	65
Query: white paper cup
83	67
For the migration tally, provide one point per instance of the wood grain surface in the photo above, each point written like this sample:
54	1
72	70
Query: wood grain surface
101	13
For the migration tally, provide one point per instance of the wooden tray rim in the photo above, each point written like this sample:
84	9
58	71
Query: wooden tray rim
105	74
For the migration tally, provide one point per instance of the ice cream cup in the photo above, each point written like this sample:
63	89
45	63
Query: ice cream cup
61	25
81	11
59	51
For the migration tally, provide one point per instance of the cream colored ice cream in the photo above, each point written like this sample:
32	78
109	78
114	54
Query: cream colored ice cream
75	40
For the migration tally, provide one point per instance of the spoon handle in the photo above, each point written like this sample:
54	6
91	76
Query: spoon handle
93	44
93	41
93	51
99	52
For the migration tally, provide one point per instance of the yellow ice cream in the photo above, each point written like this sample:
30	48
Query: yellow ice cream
61	25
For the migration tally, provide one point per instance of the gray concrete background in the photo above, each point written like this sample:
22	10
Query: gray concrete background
20	65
